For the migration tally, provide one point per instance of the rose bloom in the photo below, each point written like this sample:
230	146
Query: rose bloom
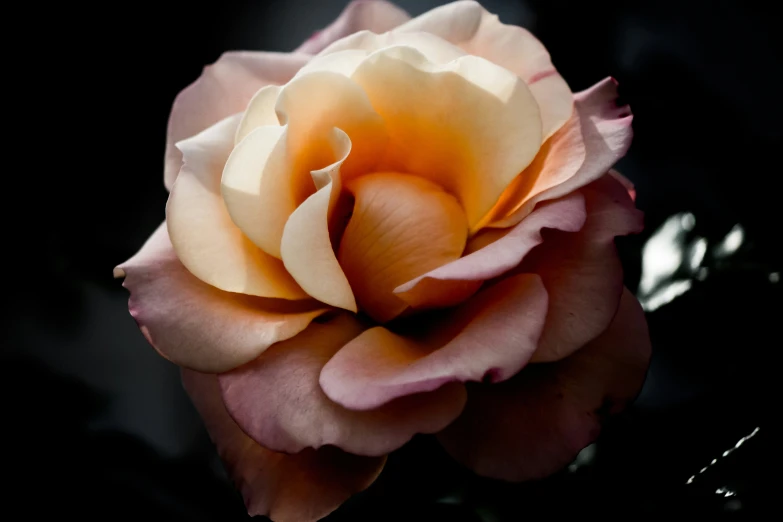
404	226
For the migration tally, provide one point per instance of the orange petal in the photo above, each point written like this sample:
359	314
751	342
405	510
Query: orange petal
402	226
474	151
205	239
306	246
558	160
471	27
268	174
598	134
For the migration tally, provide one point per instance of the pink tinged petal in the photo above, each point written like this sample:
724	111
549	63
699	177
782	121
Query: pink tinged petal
535	424
223	89
277	400
304	487
268	174
205	238
478	32
373	15
498	257
401	226
490	337
582	151
307	244
473	153
197	326
582	272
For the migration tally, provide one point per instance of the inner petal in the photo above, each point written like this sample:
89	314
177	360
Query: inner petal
267	175
468	125
402	226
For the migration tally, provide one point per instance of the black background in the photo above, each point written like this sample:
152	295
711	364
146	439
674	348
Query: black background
96	425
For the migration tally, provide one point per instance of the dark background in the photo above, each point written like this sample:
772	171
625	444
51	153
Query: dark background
96	425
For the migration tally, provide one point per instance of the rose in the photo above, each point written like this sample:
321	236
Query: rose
357	229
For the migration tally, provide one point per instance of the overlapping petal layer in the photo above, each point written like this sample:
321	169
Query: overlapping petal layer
468	25
371	15
446	283
473	152
401	226
597	135
288	488
197	326
205	238
582	272
537	422
268	174
223	89
276	399
490	337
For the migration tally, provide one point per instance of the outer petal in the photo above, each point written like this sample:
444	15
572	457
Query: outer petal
491	337
268	174
204	237
536	423
196	325
474	152
582	272
288	488
223	89
401	226
471	27
437	287
377	16
596	137
276	399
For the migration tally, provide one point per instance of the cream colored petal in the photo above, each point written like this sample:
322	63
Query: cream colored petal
306	245
313	104
468	125
402	227
468	25
224	88
358	15
260	112
343	62
268	174
205	239
436	49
